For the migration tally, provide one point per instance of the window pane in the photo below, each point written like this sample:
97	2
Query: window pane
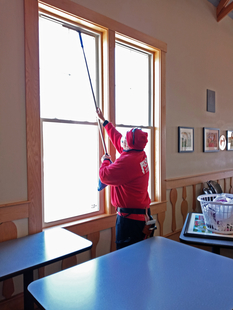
132	86
65	91
70	170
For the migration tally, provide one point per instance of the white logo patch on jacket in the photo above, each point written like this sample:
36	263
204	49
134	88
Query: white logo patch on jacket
144	166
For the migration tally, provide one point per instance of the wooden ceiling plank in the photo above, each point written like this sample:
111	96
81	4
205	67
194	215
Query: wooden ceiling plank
222	4
225	11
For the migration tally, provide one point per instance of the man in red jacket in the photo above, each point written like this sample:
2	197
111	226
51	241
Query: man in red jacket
128	177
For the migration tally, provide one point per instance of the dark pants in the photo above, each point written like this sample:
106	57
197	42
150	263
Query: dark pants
128	231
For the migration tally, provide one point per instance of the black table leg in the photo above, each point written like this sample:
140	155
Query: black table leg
216	249
28	299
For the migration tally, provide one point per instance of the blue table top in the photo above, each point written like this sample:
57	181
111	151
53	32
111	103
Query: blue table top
37	250
157	273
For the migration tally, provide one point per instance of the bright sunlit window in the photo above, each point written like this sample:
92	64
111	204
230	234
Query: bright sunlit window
133	91
133	85
70	151
71	146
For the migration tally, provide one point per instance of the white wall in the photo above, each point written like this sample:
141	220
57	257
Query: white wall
200	57
13	169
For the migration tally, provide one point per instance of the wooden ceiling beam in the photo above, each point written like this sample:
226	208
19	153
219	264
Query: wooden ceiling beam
222	4
223	9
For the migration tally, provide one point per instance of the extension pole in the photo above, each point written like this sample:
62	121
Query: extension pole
93	94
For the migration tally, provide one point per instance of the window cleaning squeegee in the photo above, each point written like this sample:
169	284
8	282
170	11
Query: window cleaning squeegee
100	185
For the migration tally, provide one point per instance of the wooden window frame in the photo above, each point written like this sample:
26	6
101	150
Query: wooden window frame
112	30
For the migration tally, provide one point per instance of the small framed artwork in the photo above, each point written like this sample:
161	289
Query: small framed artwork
229	140
222	143
185	139
210	139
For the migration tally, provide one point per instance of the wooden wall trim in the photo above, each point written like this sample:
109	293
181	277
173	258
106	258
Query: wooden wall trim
31	38
14	204
174	184
197	179
102	222
109	105
8	231
14	211
158	207
91	225
15	302
174	235
163	126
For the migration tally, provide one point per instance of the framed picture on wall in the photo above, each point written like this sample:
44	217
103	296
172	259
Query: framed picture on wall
222	143
185	139
229	136
210	139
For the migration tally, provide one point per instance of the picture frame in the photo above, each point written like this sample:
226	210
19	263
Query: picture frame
185	139
222	143
229	136
210	139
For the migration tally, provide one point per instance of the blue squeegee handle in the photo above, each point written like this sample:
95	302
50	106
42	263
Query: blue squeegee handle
93	94
89	76
80	37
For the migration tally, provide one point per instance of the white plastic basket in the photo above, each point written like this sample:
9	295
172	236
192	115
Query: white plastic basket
218	216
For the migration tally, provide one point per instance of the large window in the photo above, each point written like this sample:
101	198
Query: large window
126	76
69	131
133	68
133	103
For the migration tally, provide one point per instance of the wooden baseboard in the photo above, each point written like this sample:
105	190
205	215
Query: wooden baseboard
174	235
15	302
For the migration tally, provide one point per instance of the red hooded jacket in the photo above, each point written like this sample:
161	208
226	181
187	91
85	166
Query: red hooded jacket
128	175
